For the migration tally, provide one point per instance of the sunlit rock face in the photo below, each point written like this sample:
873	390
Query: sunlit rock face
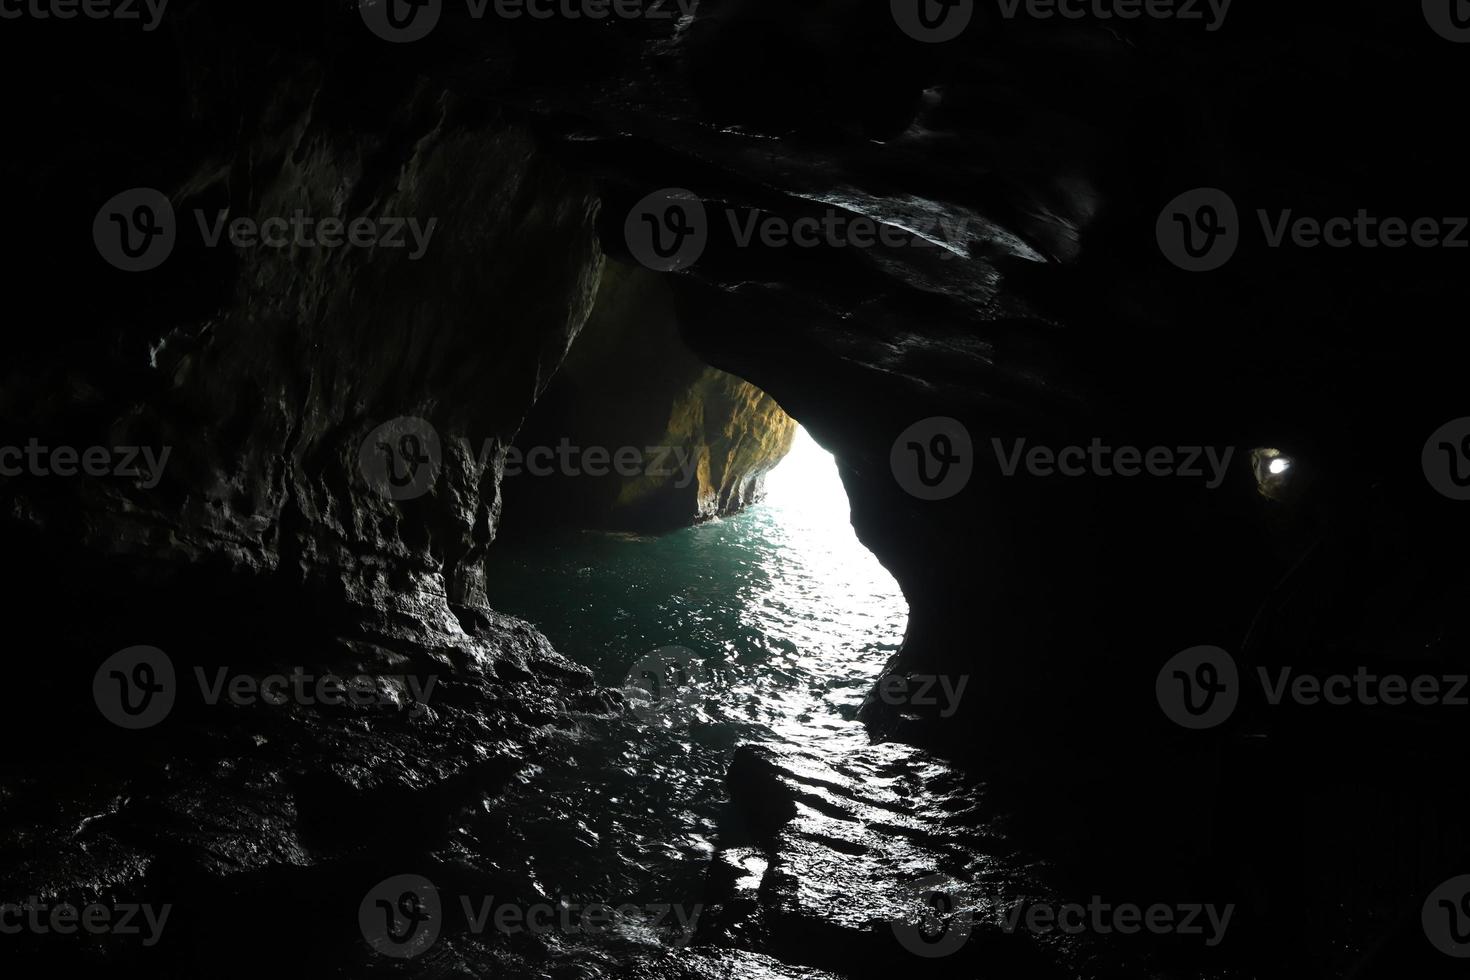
696	442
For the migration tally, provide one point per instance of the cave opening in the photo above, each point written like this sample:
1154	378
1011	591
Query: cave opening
652	500
784	609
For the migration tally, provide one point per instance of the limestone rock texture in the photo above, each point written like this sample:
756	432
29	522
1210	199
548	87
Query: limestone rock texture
266	544
704	439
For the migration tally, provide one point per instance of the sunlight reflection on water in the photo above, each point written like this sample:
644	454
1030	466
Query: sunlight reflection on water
793	616
835	609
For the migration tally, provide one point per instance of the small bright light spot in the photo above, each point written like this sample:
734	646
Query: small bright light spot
1273	472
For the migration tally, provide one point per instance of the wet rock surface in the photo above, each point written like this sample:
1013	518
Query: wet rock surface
881	858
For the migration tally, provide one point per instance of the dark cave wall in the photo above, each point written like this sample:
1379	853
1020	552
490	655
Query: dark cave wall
263	546
267	398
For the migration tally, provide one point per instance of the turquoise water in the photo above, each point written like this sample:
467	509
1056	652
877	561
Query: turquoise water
793	619
791	613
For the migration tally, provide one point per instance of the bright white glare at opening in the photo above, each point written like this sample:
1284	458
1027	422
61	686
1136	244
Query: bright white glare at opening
807	481
1280	465
816	587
